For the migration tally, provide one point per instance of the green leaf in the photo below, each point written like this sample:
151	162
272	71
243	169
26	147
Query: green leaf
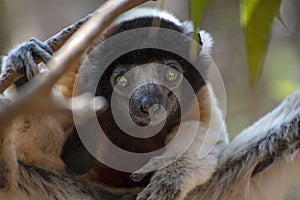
256	19
247	8
198	10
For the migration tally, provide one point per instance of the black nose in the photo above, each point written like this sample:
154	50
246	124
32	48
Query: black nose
148	102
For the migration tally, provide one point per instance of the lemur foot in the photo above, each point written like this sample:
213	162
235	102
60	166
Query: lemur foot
154	164
167	183
21	58
164	185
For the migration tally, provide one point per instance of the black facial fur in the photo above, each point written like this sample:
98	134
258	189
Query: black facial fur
132	59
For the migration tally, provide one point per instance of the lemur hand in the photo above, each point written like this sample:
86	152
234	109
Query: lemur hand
166	183
21	59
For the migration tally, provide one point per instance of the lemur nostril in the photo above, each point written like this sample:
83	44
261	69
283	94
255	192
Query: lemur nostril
147	103
142	109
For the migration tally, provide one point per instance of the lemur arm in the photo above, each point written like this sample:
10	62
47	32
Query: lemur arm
21	61
194	167
262	162
36	171
8	162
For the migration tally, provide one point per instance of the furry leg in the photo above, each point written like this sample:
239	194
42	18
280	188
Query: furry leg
262	162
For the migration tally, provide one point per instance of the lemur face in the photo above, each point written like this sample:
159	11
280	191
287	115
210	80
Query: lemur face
145	87
148	90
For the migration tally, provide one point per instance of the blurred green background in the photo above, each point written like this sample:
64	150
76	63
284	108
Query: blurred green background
21	20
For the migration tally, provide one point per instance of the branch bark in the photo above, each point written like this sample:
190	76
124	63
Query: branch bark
8	77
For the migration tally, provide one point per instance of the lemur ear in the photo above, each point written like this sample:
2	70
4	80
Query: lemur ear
206	41
204	38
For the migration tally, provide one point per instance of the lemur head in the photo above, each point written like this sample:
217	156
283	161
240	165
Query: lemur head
145	83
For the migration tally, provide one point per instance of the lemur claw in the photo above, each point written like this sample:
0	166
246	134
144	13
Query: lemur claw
138	177
162	188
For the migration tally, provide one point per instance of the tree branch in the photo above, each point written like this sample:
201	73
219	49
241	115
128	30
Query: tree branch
35	96
38	89
8	77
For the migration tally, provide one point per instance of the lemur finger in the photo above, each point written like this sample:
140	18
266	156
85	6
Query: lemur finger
43	45
150	166
154	192
31	68
138	177
40	50
156	163
160	187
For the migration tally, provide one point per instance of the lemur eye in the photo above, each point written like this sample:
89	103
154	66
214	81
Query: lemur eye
122	81
171	75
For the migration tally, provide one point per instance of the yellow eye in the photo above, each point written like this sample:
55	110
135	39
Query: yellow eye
171	75
122	81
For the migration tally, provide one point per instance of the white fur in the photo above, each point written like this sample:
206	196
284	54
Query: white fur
201	157
234	179
147	12
163	14
207	41
284	113
275	181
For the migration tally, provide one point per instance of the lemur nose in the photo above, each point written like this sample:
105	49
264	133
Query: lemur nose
148	102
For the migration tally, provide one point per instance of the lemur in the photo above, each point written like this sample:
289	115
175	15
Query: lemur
148	78
39	179
39	140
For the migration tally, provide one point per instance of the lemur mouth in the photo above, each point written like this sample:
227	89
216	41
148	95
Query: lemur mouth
148	105
151	118
155	115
